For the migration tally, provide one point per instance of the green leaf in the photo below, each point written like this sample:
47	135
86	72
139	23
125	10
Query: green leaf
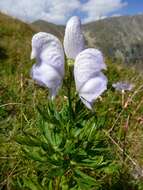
64	183
50	186
29	140
48	115
55	172
84	181
32	185
112	168
35	155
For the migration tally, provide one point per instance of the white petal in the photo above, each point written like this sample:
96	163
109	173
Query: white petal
92	57
87	103
87	64
47	76
90	81
93	88
73	39
49	70
42	39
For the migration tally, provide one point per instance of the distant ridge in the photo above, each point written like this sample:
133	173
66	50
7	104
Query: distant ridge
120	38
44	26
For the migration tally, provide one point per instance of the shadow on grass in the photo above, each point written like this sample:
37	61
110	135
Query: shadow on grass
3	53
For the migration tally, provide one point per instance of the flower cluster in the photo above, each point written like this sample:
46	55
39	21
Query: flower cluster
49	70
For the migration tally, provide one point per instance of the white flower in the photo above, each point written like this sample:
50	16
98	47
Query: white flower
90	81
49	68
73	39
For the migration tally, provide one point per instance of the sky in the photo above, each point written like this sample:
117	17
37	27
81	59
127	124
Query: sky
59	11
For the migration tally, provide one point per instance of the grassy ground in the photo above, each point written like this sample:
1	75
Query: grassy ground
19	97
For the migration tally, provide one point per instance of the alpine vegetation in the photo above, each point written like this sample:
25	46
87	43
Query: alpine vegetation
49	68
67	146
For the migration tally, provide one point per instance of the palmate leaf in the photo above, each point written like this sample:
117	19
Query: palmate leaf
85	181
91	163
55	172
48	114
81	113
29	140
38	155
54	137
112	168
34	155
33	141
32	185
69	147
64	183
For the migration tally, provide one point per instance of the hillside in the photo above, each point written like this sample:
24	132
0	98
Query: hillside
119	37
15	64
41	25
15	87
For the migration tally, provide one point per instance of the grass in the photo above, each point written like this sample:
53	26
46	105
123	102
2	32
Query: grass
19	98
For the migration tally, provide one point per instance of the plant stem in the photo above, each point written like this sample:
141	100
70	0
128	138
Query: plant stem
124	148
58	179
69	93
123	98
114	142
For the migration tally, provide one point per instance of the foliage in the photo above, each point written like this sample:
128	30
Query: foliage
74	152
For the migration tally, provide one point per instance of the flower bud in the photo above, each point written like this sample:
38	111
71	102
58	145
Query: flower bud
73	39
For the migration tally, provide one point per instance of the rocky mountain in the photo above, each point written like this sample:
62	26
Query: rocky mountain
120	38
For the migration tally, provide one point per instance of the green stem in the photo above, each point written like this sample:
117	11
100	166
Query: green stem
58	179
69	94
124	147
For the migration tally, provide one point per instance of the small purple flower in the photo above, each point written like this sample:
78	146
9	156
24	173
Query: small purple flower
73	39
123	86
90	81
49	54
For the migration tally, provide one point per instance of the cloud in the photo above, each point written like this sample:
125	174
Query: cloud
98	9
115	15
30	10
58	11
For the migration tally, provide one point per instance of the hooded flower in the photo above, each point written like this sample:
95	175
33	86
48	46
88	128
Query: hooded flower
73	39
90	81
49	68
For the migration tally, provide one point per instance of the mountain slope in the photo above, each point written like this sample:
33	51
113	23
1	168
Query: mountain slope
120	38
41	25
15	49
